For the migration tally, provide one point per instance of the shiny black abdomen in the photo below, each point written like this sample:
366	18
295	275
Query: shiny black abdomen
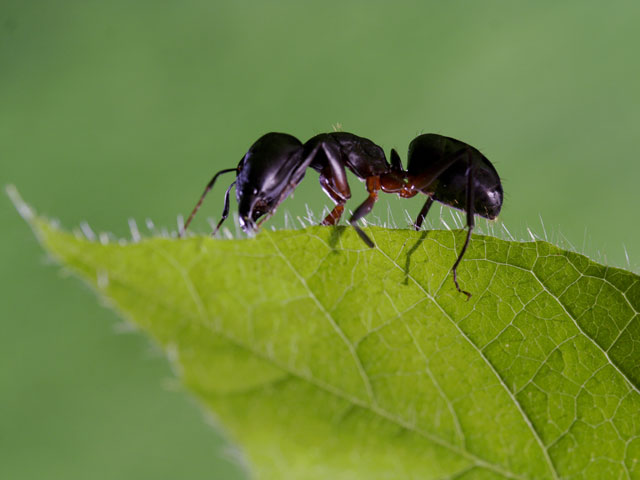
428	151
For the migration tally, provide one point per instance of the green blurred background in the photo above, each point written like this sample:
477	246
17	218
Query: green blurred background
119	109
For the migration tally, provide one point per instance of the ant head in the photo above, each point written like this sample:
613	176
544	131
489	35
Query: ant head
271	169
251	209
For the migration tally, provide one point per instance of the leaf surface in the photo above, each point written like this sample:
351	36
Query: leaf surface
323	358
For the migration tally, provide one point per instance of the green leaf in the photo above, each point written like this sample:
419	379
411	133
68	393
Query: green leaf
325	359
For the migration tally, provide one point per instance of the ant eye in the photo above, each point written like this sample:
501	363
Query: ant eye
255	191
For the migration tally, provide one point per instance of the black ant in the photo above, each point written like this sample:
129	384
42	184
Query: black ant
445	169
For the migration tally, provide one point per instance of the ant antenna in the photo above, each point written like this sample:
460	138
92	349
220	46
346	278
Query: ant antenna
206	190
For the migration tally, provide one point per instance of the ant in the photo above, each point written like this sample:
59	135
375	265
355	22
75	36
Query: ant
445	169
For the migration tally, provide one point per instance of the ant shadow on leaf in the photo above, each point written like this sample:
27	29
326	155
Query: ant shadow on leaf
338	231
334	238
410	253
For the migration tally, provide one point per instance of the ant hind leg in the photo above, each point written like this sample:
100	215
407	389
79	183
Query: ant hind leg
470	225
423	213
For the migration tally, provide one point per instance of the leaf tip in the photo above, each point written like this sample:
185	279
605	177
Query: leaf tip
23	209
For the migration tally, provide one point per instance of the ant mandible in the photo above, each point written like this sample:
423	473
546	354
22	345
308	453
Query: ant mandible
445	169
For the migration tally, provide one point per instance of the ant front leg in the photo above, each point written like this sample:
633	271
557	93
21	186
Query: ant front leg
339	193
373	185
333	177
225	210
470	225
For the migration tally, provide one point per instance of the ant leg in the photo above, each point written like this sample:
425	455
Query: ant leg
325	156
333	179
470	225
340	198
225	210
423	213
373	185
334	215
206	190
